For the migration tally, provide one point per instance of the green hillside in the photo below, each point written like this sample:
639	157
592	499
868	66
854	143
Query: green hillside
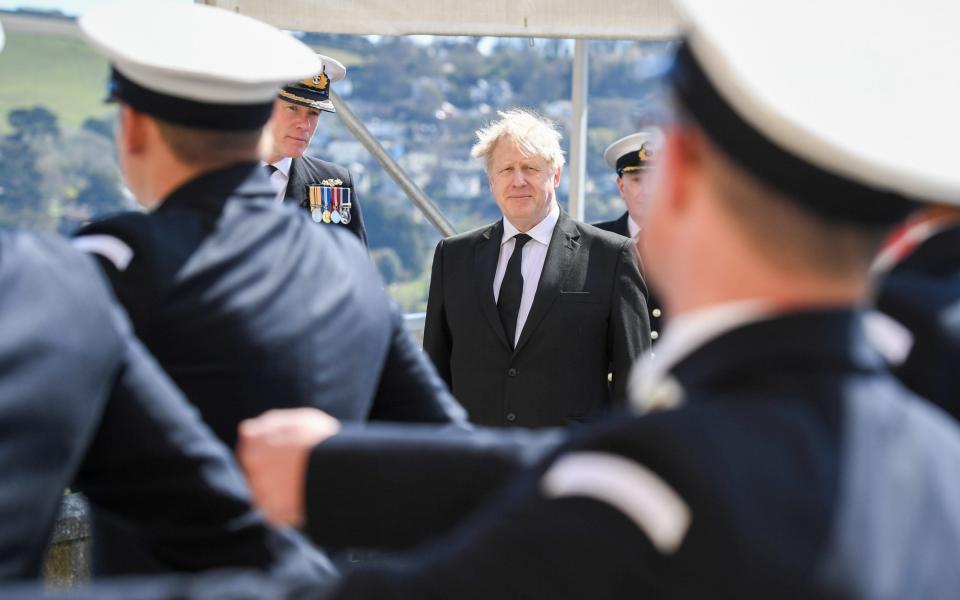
57	71
62	73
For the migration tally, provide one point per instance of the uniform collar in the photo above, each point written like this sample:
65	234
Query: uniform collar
541	232
208	191
683	336
632	228
749	344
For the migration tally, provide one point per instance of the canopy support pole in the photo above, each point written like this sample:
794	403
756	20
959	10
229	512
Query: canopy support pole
426	206
578	130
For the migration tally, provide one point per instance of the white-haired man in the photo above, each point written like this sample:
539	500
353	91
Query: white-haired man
529	317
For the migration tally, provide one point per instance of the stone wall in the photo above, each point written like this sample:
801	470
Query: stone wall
68	557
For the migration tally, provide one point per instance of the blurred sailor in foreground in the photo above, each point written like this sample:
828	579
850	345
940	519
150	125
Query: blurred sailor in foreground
320	187
633	158
786	462
245	303
242	300
83	405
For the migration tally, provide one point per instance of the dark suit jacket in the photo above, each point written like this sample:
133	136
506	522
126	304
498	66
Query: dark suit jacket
306	170
83	405
588	319
249	305
922	293
807	469
619	226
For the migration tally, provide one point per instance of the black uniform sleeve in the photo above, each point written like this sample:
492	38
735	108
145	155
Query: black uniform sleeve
524	546
392	486
409	388
154	467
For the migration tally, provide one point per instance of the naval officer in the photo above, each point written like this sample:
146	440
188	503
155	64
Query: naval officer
82	404
786	460
320	187
633	158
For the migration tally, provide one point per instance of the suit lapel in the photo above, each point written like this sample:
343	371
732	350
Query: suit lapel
561	254
621	225
486	255
297	183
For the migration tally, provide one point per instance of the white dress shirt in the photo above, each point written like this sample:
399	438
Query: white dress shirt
632	228
531	263
281	176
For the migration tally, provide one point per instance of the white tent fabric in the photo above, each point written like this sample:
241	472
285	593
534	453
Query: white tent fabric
588	19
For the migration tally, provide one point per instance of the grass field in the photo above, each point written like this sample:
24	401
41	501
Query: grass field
46	63
59	72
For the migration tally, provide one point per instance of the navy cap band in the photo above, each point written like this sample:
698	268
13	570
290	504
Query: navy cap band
191	113
630	163
831	196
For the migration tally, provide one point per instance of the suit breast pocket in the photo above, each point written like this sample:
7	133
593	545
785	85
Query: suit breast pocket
579	297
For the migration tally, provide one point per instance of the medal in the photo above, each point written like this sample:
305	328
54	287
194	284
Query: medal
335	208
315	193
329	203
345	206
326	197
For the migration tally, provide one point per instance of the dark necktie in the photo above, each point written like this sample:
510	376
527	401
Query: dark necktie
270	169
511	289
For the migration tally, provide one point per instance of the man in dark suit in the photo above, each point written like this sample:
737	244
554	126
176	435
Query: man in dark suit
919	287
320	187
528	318
633	157
787	461
245	303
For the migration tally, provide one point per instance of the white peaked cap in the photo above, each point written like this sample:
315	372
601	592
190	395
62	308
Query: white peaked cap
632	143
198	52
863	89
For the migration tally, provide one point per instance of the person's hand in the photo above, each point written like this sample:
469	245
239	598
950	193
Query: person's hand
273	450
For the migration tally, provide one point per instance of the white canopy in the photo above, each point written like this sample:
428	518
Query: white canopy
587	19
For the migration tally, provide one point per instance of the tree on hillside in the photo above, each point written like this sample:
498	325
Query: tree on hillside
33	124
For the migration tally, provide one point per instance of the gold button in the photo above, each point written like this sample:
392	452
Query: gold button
655	312
654	335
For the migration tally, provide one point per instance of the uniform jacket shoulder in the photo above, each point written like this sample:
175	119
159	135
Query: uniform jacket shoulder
134	229
468	238
601	238
618	225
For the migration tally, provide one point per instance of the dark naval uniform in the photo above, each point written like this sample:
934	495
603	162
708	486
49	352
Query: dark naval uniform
922	292
307	172
83	405
619	226
249	306
796	467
